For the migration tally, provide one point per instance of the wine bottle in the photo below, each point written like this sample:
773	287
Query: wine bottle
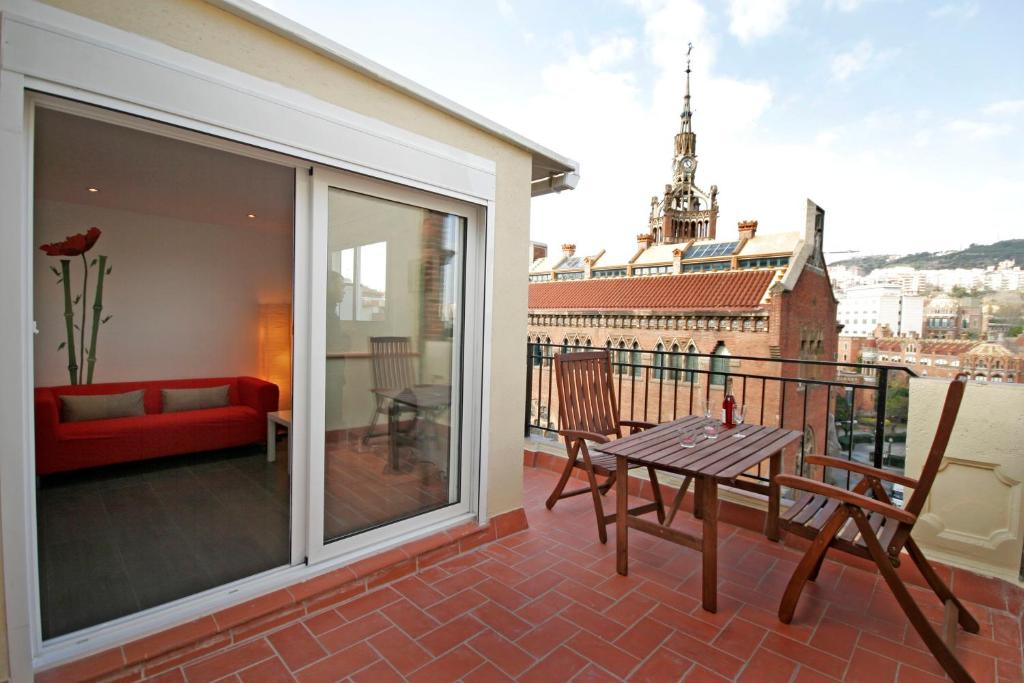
728	403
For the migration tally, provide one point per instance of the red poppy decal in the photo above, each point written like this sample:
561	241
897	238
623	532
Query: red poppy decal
73	245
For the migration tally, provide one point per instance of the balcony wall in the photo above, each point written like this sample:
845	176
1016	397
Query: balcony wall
974	517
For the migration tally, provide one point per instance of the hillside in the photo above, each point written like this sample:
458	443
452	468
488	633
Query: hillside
974	256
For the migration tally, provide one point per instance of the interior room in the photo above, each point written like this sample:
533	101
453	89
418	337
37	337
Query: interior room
163	278
162	303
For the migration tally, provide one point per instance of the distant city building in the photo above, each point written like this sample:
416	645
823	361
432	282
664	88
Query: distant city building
980	360
947	317
679	290
538	250
864	308
1003	277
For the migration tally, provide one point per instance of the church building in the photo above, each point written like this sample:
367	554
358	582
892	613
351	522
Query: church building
679	289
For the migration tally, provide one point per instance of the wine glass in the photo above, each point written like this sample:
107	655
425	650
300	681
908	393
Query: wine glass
687	436
738	414
708	407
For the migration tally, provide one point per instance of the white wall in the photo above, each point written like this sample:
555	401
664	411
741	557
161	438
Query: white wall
974	517
184	296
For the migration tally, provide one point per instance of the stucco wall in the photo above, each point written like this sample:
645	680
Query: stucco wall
211	33
974	517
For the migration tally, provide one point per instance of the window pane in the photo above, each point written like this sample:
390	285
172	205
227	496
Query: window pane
393	304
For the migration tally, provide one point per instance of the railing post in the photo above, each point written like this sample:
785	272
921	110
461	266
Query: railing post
883	381
529	390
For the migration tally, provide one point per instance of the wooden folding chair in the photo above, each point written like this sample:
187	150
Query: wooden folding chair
391	363
588	411
874	528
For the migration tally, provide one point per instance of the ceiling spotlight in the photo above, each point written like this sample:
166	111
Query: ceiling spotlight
251	215
92	189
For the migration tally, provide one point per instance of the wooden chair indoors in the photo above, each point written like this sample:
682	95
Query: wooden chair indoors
391	365
874	528
588	412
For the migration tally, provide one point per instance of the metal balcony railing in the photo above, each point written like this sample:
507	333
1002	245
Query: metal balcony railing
851	410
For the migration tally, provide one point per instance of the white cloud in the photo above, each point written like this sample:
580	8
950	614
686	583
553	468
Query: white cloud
858	58
506	9
978	130
846	64
751	19
844	5
955	10
1005	107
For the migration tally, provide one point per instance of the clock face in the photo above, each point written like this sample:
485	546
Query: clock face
688	163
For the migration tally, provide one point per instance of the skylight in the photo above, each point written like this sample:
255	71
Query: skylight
713	249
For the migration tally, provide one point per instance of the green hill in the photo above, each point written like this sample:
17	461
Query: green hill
974	256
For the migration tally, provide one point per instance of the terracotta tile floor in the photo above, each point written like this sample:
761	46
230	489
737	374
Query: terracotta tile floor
546	605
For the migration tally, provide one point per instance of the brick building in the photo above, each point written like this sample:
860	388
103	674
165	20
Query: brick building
680	290
983	361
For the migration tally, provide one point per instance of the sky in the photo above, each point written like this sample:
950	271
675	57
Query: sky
904	119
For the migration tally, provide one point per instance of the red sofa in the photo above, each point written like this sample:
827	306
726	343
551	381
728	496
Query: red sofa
66	446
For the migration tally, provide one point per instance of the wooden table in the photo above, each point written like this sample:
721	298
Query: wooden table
279	417
427	398
709	463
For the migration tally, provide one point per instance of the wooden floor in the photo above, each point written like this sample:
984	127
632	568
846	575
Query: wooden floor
525	608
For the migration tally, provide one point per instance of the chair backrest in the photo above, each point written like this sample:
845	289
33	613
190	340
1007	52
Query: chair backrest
586	394
954	396
391	361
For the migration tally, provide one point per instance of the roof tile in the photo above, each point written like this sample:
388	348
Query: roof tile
691	291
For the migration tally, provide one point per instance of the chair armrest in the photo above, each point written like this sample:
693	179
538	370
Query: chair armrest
573	434
257	394
859	468
637	425
836	493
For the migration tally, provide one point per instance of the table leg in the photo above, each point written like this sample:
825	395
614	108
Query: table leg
271	441
393	436
709	543
621	514
771	522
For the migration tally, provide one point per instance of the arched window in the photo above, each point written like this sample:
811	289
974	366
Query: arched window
719	364
589	344
565	345
675	361
576	343
621	358
536	353
636	360
692	363
659	360
548	351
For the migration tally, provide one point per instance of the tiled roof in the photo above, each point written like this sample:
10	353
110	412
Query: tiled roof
696	291
940	347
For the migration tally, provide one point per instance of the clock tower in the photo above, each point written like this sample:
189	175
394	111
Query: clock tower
685	212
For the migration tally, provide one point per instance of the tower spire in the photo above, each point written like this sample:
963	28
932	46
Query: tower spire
685	116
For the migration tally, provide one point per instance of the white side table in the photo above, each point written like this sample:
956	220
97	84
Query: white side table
280	417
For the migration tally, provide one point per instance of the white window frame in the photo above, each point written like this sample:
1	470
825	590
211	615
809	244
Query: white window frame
466	365
50	51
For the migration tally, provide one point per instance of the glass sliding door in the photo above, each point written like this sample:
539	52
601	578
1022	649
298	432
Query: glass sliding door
394	308
163	281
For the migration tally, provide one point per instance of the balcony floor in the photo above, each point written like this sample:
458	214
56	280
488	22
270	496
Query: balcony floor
524	608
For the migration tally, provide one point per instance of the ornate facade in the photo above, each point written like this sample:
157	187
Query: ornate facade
684	211
745	302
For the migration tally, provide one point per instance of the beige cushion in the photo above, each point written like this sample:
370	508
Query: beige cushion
179	400
102	407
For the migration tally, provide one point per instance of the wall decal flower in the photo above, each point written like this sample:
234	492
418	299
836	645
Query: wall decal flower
73	245
78	245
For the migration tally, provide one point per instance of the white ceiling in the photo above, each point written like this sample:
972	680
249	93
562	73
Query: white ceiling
151	174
